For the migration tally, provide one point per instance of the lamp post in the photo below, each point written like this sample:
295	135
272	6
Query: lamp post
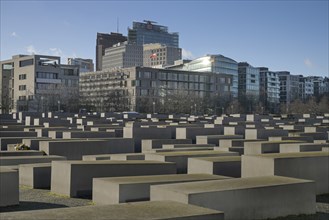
41	103
153	107
58	105
195	108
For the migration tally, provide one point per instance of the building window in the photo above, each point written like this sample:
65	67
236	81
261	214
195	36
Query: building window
22	98
22	87
22	76
69	72
25	63
22	108
44	75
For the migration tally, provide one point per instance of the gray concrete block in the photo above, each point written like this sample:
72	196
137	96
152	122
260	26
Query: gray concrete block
74	178
20	153
180	158
114	190
263	147
301	147
303	165
87	134
214	139
17	160
36	176
131	156
33	143
139	134
226	166
191	133
150	144
158	210
264	133
183	149
9	190
244	198
75	149
172	146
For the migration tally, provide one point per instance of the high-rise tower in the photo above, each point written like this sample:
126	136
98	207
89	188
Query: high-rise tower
104	41
149	32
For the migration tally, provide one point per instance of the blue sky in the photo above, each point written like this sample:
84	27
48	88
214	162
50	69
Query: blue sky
281	35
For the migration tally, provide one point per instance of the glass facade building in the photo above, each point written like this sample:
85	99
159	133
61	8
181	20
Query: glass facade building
149	32
289	87
248	81
269	89
217	64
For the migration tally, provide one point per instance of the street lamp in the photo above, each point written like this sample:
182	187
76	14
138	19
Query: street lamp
58	105
153	107
41	103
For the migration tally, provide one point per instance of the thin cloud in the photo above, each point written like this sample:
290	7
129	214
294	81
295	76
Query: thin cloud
308	63
186	54
56	52
14	34
31	49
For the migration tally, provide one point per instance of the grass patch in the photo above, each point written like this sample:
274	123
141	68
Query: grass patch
24	187
58	195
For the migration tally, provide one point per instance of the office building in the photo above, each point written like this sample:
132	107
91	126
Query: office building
269	90
248	82
306	87
289	87
148	32
137	88
38	83
160	55
85	65
104	41
218	64
321	85
123	55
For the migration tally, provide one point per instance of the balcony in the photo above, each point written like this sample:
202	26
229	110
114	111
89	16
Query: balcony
42	80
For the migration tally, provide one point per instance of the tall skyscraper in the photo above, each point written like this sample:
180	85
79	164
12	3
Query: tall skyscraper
149	32
104	41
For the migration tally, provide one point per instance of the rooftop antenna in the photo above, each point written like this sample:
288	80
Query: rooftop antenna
117	24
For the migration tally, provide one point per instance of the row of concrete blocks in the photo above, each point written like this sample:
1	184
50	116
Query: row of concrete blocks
289	164
195	134
221	193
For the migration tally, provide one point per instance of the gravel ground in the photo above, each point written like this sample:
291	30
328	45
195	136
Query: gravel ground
34	199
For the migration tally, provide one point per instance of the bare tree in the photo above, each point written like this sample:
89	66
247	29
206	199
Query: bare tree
324	104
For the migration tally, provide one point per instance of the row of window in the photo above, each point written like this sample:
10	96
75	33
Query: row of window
22	76
22	87
45	75
45	86
23	98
